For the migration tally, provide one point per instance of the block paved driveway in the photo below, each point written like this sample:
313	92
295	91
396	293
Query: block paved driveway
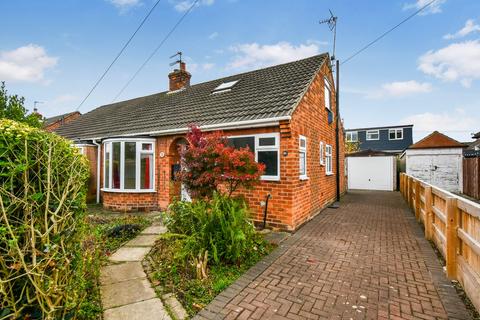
366	260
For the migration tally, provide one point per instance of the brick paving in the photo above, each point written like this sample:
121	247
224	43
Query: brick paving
366	260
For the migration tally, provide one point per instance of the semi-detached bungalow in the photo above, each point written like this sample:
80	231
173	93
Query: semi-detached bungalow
286	114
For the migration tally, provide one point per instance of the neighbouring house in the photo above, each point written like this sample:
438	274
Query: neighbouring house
393	139
471	168
53	123
372	170
436	159
286	114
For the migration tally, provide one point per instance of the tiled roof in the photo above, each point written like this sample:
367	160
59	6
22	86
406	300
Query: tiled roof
267	93
436	140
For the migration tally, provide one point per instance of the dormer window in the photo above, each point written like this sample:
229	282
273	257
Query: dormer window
226	86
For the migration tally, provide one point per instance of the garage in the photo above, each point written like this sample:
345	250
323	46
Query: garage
372	170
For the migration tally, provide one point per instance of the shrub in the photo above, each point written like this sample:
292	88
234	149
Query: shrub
209	162
44	264
219	226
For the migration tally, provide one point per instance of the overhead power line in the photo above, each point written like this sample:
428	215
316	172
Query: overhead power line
388	31
156	49
118	55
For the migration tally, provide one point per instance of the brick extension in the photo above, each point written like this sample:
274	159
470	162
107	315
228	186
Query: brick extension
366	260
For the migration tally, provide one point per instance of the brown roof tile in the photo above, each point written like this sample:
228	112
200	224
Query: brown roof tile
437	140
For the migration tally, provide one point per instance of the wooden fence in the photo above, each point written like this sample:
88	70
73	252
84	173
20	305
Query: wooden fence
471	177
453	224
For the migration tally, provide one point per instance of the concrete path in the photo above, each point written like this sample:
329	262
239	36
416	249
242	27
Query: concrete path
366	260
126	292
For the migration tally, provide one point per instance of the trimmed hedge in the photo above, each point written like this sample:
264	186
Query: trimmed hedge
43	260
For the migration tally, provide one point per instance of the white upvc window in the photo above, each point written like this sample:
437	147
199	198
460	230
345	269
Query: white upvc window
395	134
129	165
302	156
328	160
373	135
352	136
327	94
322	154
266	147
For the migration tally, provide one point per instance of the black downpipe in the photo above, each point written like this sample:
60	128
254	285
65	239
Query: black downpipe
265	211
337	138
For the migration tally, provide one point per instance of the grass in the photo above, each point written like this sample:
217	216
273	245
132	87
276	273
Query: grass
179	278
106	232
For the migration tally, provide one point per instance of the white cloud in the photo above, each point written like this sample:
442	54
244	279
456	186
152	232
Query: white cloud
124	5
208	66
469	27
405	88
435	7
456	123
213	35
456	62
184	5
254	55
27	63
63	99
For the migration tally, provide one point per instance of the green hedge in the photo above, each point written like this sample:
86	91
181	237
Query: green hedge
43	260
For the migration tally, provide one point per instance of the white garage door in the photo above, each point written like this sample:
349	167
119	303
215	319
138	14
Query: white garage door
371	173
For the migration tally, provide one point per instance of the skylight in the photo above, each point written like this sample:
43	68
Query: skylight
225	86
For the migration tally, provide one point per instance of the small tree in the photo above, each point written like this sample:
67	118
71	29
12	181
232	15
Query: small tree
351	147
209	162
12	107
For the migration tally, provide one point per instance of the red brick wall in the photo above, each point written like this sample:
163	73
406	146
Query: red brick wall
54	126
293	201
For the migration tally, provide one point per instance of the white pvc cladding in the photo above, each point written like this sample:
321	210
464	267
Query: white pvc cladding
129	165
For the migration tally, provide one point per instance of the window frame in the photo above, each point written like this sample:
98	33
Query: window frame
351	133
372	131
328	160
301	149
138	154
327	87
322	154
395	130
258	148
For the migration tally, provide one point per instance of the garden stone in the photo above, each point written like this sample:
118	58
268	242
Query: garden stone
130	254
121	272
142	241
155	229
126	292
149	309
175	306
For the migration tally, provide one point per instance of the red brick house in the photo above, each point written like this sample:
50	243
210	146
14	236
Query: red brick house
53	123
286	114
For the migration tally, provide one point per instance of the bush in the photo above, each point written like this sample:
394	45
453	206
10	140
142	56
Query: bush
44	264
219	226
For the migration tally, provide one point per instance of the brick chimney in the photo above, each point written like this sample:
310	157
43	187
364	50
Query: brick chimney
179	78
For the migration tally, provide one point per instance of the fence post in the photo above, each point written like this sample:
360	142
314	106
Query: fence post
409	191
417	200
451	236
428	213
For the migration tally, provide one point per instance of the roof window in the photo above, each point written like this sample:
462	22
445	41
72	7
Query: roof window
226	86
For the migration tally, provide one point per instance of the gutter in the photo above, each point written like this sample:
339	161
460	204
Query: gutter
269	122
98	169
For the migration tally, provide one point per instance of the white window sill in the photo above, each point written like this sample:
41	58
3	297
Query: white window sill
329	174
129	190
269	178
303	178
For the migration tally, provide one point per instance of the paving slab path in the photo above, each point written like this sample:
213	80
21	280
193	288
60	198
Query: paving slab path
126	292
366	260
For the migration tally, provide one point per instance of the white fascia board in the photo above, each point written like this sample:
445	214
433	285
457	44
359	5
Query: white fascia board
270	122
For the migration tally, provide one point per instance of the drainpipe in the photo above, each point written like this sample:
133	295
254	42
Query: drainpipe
265	211
337	138
98	169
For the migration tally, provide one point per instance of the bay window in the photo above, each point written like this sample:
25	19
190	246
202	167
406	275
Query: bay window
266	148
129	165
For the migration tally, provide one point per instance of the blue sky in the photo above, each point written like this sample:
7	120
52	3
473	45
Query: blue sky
427	72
